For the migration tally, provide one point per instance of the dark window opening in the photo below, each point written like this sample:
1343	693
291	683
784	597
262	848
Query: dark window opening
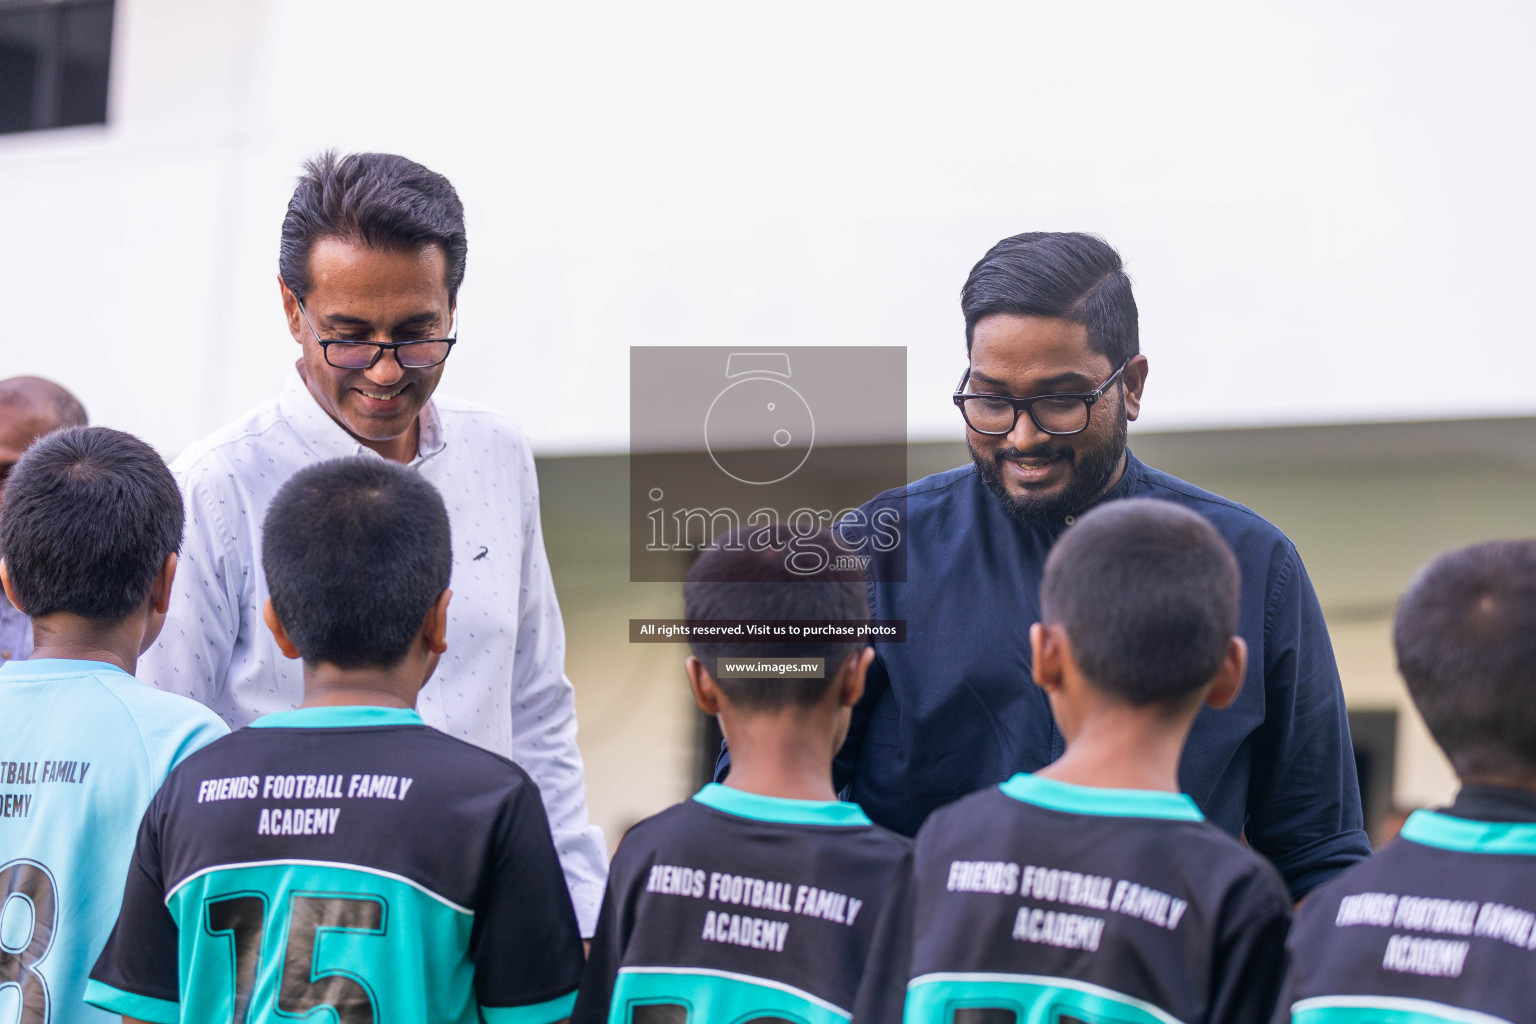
1375	740
54	58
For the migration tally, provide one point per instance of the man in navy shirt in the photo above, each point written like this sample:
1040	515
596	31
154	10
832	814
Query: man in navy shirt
1055	375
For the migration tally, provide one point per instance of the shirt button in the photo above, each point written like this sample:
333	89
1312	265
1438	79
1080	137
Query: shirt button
1070	520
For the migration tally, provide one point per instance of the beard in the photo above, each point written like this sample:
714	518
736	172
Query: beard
1090	477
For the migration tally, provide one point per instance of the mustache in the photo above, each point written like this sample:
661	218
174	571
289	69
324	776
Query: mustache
1039	452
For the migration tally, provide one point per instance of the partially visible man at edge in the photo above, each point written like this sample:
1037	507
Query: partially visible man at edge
372	257
952	710
29	408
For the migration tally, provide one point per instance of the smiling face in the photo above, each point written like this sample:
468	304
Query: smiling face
1038	476
359	293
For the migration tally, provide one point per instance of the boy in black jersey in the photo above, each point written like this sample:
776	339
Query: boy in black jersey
1093	892
756	899
343	857
1440	926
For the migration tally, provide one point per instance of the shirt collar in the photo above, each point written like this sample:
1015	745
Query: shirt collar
47	668
327	439
780	809
338	717
1131	483
1117	803
1494	803
1434	828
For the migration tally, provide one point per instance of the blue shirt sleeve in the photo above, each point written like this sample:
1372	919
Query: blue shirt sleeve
1303	796
526	946
882	990
137	973
845	765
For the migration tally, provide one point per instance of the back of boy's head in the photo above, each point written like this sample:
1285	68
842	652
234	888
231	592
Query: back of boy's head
89	516
1148	593
355	551
1465	633
772	574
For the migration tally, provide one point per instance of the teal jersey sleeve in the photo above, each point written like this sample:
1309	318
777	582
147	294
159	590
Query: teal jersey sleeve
883	988
523	961
604	958
86	747
141	979
170	727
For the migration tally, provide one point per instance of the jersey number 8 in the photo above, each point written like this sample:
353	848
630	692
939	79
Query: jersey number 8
27	887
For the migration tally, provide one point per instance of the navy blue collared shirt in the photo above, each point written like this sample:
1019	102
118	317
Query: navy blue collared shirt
954	708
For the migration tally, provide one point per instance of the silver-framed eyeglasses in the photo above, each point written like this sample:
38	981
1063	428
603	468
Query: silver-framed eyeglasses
1059	415
416	354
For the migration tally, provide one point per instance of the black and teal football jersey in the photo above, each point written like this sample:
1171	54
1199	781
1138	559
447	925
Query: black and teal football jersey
1040	902
1438	927
350	861
736	907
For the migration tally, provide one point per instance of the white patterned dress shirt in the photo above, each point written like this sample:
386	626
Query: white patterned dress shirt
501	685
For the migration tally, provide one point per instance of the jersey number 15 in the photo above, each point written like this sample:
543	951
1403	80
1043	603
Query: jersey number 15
243	917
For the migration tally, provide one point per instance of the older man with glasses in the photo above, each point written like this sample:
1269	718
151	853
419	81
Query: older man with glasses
372	256
1055	374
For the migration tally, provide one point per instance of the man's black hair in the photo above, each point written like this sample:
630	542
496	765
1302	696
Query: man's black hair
356	551
764	574
1465	633
1148	594
1066	275
379	199
89	516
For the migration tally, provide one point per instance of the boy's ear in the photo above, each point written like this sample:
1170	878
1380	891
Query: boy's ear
851	677
160	591
706	693
1047	645
434	629
5	584
1229	678
269	616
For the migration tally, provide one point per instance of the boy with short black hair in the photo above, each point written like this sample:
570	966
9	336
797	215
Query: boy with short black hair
89	528
344	856
1441	924
1093	890
757	898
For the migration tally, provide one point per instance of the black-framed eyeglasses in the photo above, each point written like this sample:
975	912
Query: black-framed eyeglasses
345	354
1059	415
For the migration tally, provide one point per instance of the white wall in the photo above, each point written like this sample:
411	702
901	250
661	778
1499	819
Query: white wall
1324	205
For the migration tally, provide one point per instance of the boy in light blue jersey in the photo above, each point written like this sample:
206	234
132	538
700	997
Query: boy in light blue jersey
89	527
